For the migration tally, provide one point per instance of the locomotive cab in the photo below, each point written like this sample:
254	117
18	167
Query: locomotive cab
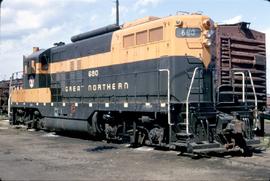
36	80
36	69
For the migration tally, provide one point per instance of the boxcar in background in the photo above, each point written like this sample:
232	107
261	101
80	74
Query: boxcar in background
4	90
238	48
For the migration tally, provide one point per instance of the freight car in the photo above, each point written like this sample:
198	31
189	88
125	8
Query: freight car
152	81
239	47
4	92
5	89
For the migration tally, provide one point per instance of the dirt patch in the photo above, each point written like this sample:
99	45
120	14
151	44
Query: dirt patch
4	124
31	156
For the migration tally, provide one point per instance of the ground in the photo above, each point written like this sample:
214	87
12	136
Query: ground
26	155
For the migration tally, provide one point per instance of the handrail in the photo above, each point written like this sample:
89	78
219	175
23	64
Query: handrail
14	76
9	94
168	101
255	97
187	100
243	84
168	94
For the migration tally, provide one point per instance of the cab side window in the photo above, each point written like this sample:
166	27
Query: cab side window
44	63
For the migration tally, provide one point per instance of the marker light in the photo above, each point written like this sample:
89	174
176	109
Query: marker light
207	24
208	34
207	43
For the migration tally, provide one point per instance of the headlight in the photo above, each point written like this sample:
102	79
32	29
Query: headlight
208	34
207	43
207	24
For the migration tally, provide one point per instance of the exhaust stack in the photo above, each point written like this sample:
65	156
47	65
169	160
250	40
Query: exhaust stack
117	12
35	49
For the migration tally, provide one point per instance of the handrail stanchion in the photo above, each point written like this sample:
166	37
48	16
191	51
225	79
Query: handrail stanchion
255	97
9	94
168	101
187	100
243	85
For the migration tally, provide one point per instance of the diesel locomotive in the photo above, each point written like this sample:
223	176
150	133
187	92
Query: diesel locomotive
148	82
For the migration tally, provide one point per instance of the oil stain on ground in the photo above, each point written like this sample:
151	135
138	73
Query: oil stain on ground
100	149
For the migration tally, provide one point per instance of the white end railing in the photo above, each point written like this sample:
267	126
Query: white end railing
243	85
256	120
168	100
187	100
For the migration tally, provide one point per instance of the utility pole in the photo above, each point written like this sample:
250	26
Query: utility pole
0	16
0	25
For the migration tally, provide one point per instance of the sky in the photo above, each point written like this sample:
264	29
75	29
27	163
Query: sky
41	23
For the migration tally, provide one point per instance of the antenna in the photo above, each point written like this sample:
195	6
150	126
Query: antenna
117	12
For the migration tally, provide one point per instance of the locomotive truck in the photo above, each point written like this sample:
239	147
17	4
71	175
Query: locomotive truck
148	82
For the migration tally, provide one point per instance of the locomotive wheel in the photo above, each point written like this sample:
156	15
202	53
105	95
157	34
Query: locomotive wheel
156	135
122	135
35	124
95	127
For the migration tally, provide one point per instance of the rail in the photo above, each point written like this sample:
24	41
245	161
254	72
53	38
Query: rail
187	100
